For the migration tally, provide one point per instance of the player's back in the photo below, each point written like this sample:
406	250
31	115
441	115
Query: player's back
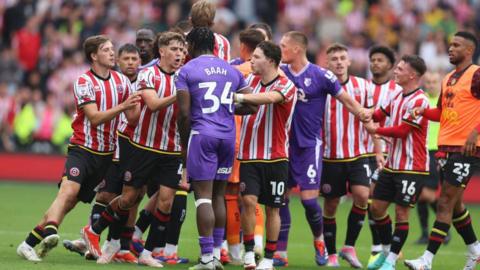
211	83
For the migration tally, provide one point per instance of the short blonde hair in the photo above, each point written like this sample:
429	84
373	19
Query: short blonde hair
202	13
336	47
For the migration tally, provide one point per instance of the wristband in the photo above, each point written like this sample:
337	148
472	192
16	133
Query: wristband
240	98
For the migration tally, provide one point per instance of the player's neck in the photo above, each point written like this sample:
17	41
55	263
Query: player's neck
166	68
410	87
269	76
342	78
381	79
298	64
463	65
133	77
100	71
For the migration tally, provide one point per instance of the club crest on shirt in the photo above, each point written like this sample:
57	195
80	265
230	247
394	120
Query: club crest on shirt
96	88
120	89
307	81
356	92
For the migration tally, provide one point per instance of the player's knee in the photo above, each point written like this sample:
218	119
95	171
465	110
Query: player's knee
105	197
330	206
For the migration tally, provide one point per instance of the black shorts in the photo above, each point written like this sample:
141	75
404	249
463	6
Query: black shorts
400	188
372	162
432	180
458	169
86	168
142	166
114	177
267	181
335	176
113	181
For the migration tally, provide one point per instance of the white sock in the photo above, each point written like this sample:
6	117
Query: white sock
170	249
207	258
137	234
392	258
282	254
319	238
216	252
225	244
348	246
428	257
376	248
258	241
235	250
474	248
158	250
146	253
386	249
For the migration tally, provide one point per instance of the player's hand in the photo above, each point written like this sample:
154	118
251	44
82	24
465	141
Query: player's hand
380	158
184	185
365	115
370	127
416	112
470	146
131	101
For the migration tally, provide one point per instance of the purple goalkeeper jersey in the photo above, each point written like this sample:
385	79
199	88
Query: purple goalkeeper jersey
211	83
313	84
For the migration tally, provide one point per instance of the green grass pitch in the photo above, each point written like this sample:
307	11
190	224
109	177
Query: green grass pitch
21	206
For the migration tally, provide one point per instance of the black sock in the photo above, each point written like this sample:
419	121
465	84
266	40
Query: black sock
270	248
35	236
249	242
330	234
373	228
437	236
433	205
399	237
116	221
97	209
463	224
157	230
356	219
50	228
422	210
126	237
384	228
144	220
178	214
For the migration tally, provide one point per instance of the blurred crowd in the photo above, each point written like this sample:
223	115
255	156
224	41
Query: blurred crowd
40	45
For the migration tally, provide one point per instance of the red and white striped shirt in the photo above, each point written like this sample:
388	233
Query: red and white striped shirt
344	135
264	135
157	130
222	47
106	93
410	153
381	95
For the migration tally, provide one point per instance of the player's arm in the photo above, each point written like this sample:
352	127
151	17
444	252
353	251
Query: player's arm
183	121
399	131
97	117
432	114
354	107
377	145
153	102
470	147
244	108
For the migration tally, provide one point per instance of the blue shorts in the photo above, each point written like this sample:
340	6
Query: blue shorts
209	158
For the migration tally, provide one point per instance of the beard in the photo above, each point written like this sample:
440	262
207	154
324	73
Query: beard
456	60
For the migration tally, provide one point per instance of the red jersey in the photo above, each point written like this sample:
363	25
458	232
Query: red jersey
106	94
381	96
222	47
157	130
344	135
264	135
409	154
